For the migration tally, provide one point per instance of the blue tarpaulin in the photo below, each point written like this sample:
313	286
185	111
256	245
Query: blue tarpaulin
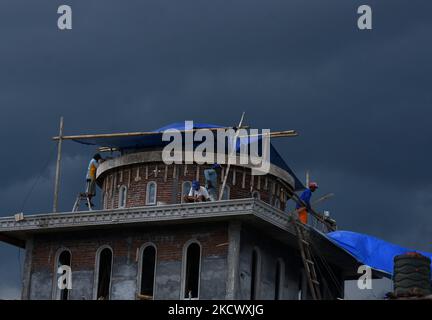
155	140
373	252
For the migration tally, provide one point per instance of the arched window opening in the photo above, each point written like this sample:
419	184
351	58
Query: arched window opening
64	259
122	197
302	285
148	267
105	200
256	195
151	193
192	271
104	267
277	203
226	193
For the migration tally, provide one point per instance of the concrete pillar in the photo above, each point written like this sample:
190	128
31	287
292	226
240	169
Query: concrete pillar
26	279
233	260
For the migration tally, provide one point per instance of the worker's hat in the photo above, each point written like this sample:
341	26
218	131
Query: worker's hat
195	184
313	185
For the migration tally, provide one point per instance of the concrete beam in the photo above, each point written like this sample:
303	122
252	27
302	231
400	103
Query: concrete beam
13	241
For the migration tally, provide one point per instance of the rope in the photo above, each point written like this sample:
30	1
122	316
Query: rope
329	270
318	267
37	179
331	273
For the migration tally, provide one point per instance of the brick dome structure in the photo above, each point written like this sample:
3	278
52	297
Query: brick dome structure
139	177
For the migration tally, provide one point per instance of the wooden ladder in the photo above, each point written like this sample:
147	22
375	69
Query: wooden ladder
309	265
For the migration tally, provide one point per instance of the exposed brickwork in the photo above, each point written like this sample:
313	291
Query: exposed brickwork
169	180
125	243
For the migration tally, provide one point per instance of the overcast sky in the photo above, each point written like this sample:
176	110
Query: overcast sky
361	100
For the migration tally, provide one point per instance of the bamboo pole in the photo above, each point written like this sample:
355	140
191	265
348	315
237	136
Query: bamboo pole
274	134
221	191
57	175
324	197
130	134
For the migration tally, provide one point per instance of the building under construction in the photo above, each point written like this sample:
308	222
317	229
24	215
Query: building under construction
145	243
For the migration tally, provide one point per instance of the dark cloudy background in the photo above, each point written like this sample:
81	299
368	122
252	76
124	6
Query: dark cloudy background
361	100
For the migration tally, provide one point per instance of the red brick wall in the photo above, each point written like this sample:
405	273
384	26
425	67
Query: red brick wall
167	185
169	241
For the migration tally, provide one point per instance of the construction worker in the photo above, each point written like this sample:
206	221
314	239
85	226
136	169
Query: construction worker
306	197
91	176
197	193
211	181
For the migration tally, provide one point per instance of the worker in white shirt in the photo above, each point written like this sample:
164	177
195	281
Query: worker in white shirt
91	176
197	193
212	181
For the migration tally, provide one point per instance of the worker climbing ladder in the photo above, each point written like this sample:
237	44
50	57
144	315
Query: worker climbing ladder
82	197
306	255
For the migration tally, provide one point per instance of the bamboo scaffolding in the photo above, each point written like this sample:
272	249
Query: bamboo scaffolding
132	134
58	163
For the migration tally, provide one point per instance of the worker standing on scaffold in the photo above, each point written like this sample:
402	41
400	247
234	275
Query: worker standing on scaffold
306	197
212	181
91	176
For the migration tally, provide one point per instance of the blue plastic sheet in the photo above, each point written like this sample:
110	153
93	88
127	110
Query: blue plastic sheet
134	142
371	251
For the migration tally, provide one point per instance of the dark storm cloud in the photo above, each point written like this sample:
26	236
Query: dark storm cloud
360	100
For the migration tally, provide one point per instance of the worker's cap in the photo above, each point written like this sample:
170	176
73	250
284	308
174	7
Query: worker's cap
313	185
195	184
216	166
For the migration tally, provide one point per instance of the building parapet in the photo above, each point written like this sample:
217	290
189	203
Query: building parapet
190	211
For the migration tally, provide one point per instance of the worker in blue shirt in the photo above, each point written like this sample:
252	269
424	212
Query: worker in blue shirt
197	193
306	197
